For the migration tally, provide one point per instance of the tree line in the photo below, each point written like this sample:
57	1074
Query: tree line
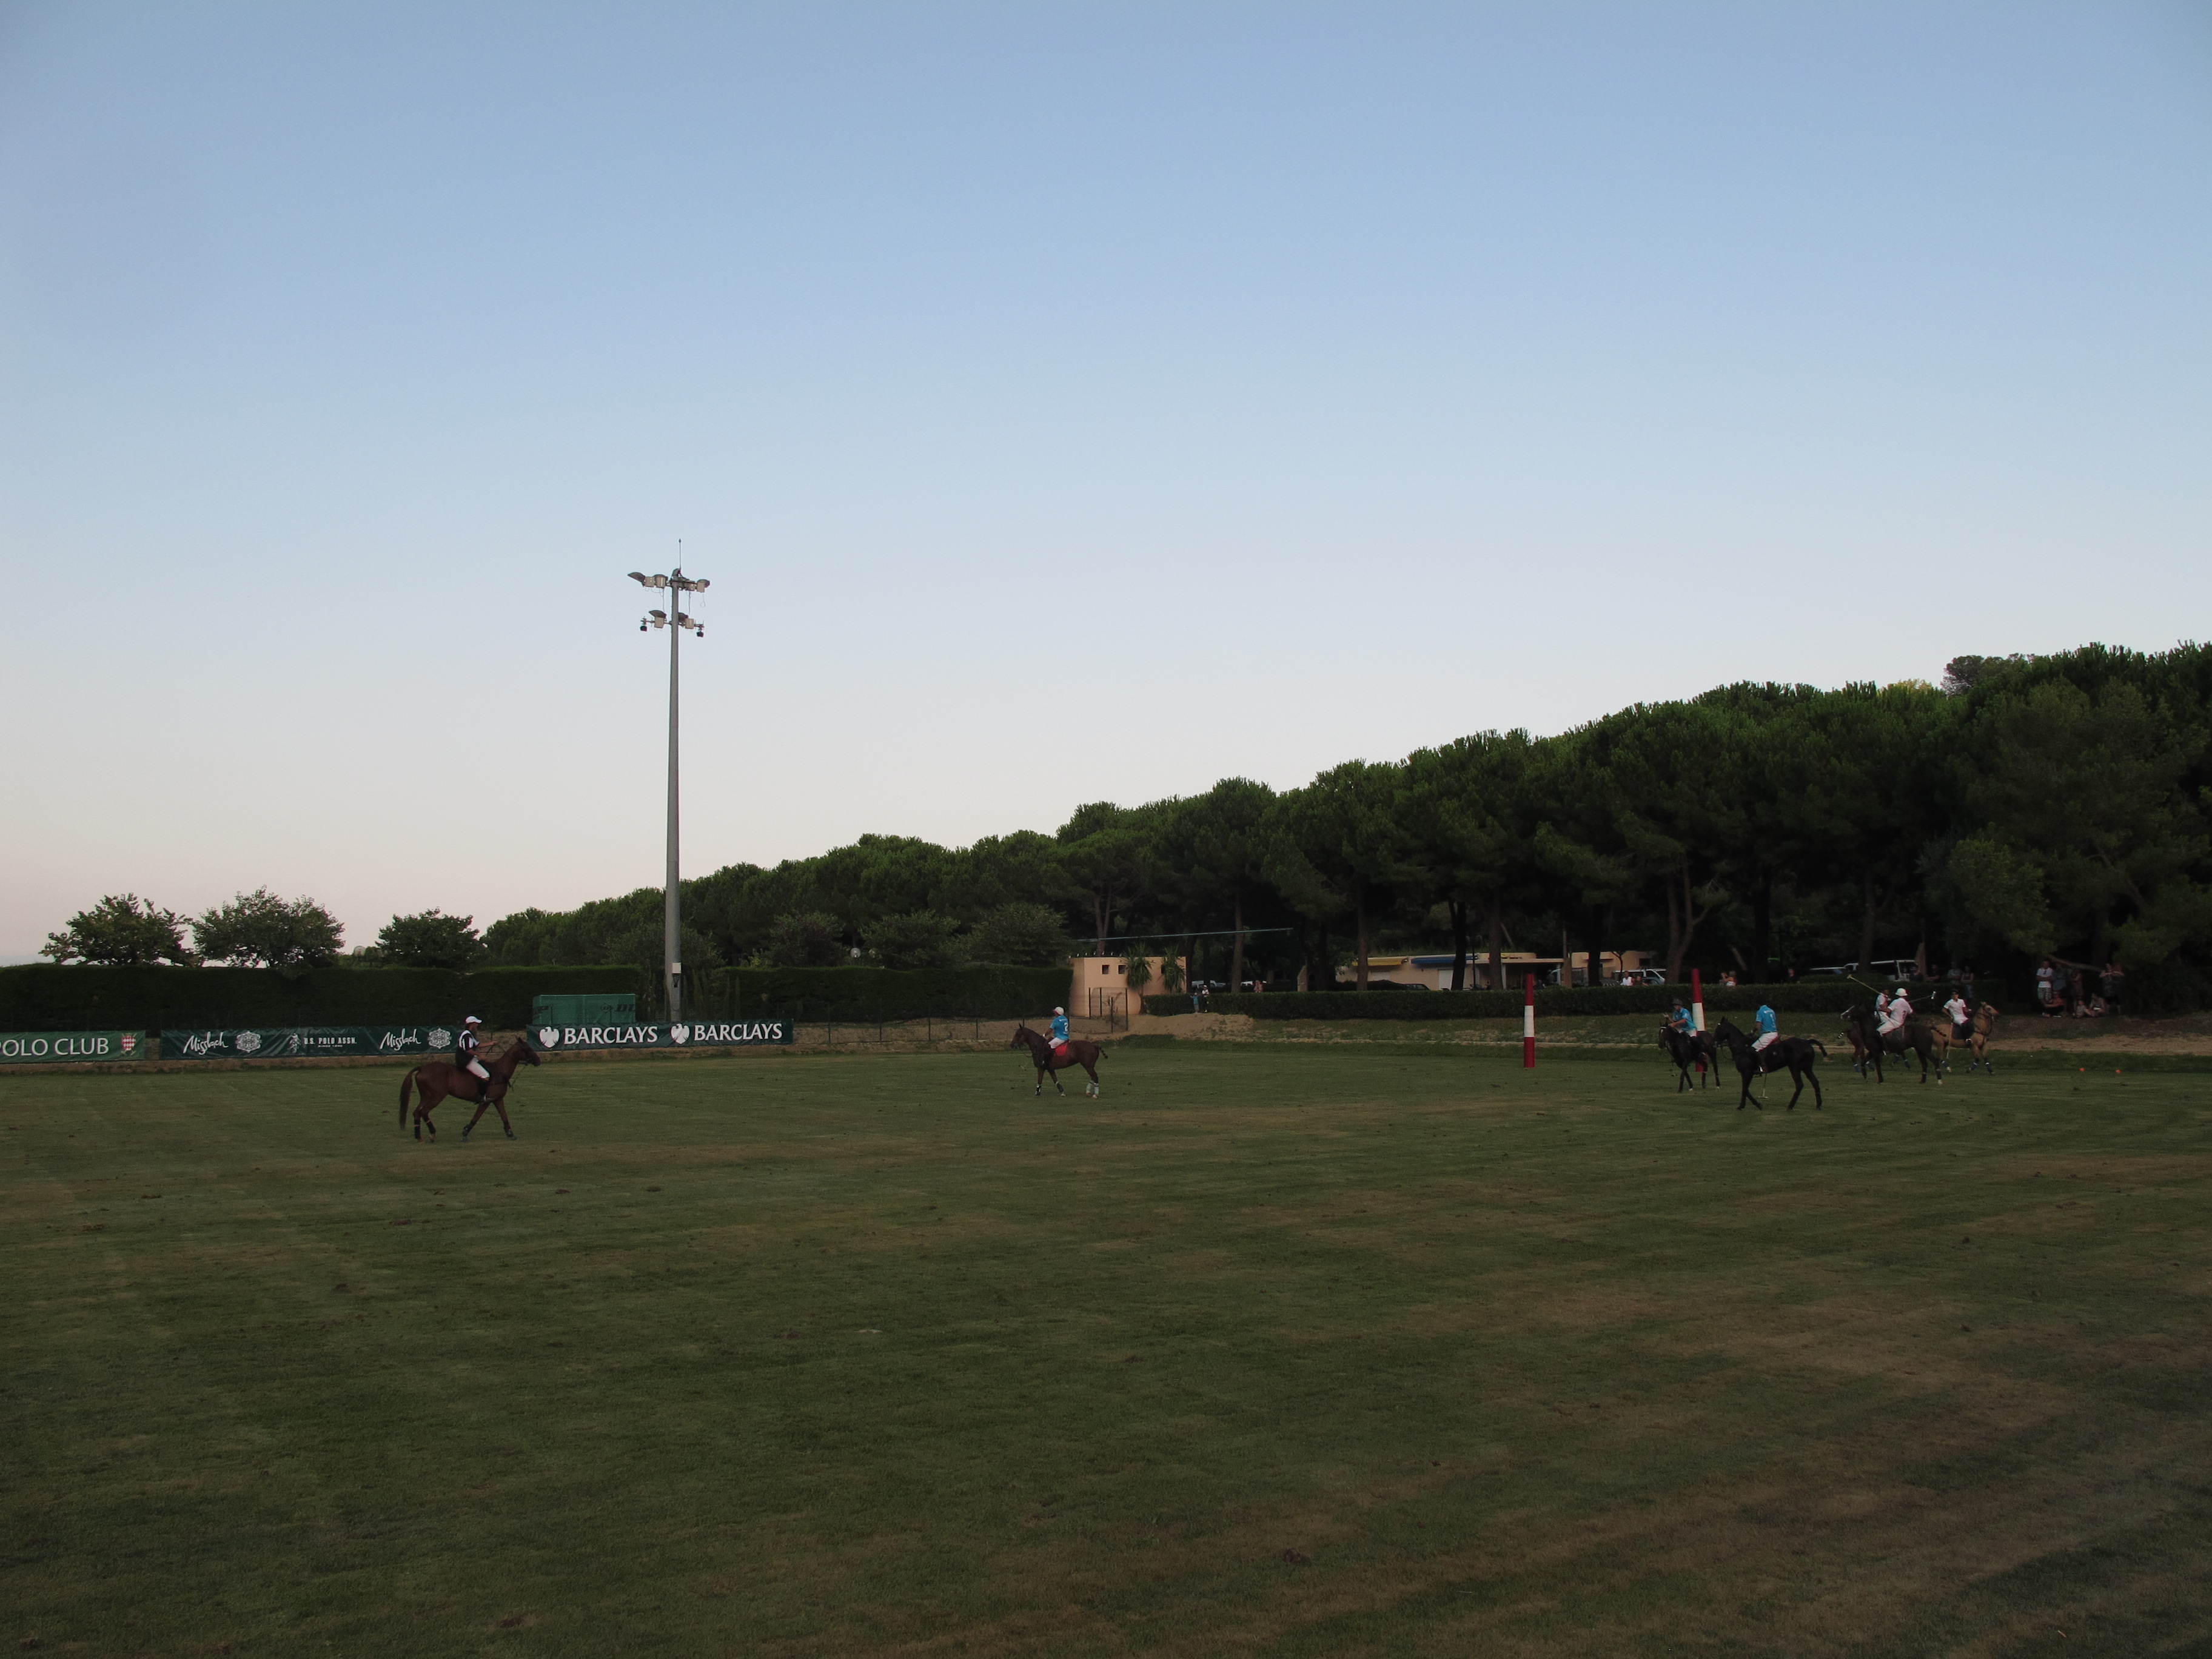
259	929
2029	805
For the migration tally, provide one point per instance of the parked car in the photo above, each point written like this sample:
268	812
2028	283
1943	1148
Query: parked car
1644	976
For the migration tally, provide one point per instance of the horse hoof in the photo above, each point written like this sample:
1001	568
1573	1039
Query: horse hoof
511	1135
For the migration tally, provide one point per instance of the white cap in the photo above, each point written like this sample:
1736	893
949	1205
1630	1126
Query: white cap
471	1020
1060	1011
1900	990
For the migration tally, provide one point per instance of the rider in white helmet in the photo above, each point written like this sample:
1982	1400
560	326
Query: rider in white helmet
468	1049
1060	1031
1895	1015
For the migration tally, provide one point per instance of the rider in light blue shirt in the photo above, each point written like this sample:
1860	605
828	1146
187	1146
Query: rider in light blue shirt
1060	1028
1767	1031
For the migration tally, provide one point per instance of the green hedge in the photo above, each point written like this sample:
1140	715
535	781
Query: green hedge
42	997
864	995
1827	996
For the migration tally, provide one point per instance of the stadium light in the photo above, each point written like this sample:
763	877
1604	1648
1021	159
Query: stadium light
672	917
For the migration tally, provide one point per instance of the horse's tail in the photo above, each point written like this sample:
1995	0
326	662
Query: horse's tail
405	1084
1822	1046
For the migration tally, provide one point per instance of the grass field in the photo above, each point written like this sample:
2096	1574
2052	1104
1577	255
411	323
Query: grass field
1300	1354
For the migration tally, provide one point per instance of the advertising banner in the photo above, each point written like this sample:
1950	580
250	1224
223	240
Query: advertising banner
308	1042
685	1034
419	1041
71	1047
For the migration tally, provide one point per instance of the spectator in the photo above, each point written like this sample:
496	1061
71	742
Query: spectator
1793	975
2115	981
2046	988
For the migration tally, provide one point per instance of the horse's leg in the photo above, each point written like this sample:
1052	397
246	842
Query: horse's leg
1800	1081
478	1118
1040	1086
1094	1088
499	1106
1814	1078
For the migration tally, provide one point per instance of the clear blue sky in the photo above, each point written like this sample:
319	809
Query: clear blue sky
1068	402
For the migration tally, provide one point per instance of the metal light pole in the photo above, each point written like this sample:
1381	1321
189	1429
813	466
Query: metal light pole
675	622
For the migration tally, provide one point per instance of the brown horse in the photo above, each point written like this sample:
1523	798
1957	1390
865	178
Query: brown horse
1909	1038
440	1077
1048	1064
1976	1037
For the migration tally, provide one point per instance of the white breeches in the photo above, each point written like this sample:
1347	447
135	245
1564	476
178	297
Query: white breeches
477	1067
1765	1038
1888	1026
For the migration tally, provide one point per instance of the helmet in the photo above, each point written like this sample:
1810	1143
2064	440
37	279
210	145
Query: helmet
1060	1011
471	1020
1900	990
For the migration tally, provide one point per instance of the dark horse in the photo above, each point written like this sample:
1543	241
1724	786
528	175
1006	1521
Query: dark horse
1795	1052
1048	1064
1689	1048
440	1077
1859	1026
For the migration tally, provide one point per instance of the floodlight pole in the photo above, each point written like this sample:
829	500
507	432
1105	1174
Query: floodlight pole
672	925
674	620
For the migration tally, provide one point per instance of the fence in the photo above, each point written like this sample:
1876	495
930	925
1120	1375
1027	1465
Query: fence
43	997
1824	996
1112	1006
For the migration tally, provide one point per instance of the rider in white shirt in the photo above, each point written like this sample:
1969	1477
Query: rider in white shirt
1898	1012
1961	1012
468	1049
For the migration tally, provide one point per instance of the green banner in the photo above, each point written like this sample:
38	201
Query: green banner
420	1042
685	1034
307	1042
71	1047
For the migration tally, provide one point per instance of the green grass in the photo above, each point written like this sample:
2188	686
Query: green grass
1298	1353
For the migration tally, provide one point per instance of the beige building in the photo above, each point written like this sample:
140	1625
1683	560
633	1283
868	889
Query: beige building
1099	987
